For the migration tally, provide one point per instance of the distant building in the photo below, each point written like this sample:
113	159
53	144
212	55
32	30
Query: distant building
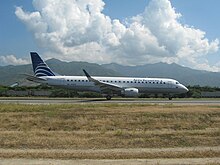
27	93
41	93
210	94
16	93
14	85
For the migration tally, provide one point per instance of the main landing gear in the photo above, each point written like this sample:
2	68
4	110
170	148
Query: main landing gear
108	97
170	96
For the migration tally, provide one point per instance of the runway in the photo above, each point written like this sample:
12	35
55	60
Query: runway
104	101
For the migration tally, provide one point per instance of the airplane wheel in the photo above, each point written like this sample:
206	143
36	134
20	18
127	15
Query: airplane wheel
170	98
108	97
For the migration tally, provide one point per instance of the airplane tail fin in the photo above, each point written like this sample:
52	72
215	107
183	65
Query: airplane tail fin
40	68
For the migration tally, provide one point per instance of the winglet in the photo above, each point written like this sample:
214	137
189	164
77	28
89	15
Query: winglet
102	85
87	74
89	77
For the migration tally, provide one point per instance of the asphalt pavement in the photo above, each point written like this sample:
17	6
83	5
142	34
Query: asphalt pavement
104	101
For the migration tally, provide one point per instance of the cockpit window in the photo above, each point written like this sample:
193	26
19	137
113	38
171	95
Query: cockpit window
177	82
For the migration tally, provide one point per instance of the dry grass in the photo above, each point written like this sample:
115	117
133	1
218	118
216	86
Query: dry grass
109	126
110	154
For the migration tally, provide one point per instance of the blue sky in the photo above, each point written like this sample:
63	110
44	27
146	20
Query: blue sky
18	39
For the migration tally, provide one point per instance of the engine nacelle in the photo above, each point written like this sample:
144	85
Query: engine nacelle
130	92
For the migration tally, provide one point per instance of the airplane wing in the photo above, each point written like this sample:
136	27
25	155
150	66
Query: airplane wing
33	78
104	86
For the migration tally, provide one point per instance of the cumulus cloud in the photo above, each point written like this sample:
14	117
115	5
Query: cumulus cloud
78	30
12	60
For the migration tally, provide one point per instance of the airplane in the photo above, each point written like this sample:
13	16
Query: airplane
107	86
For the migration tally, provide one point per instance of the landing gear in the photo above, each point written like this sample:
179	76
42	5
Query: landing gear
170	97
108	97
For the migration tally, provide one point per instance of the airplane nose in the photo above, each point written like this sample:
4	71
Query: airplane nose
185	89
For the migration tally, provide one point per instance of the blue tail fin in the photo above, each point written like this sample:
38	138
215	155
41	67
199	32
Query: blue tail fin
40	68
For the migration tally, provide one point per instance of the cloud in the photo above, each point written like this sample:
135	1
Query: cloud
78	30
12	60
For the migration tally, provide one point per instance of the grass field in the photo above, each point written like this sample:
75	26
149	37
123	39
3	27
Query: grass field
109	131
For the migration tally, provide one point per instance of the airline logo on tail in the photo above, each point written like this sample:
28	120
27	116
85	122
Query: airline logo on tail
40	68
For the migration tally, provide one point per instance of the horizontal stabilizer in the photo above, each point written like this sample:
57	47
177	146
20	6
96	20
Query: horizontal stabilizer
34	78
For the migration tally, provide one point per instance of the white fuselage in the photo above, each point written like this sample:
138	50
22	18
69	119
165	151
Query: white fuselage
144	85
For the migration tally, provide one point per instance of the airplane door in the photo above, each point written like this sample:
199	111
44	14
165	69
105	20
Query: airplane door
169	84
63	82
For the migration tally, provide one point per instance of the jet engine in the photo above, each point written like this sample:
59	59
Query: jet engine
130	92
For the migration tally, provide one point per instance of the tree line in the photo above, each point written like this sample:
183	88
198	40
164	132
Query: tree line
194	91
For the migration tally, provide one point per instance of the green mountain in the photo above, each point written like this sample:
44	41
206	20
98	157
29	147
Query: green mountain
11	74
76	68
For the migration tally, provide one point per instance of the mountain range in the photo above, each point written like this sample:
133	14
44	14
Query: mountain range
187	76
